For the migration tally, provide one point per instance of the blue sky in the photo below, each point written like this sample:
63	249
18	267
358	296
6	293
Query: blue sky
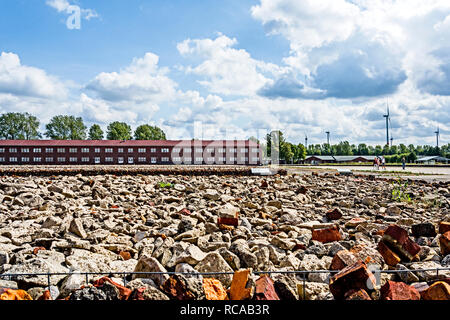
239	67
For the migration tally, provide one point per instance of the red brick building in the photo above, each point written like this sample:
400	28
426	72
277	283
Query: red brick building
77	152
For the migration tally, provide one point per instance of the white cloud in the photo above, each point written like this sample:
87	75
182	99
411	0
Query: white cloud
141	82
21	80
224	69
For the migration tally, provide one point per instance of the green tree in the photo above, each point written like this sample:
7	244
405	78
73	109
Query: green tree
362	149
300	152
286	152
19	126
118	131
96	133
147	132
66	128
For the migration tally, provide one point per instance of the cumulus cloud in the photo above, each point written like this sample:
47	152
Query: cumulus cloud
142	81
21	80
224	69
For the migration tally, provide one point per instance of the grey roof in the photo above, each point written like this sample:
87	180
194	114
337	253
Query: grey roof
341	158
437	158
321	157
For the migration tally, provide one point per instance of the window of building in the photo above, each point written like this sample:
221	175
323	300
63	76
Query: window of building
244	150
49	150
232	159
37	150
232	150
109	159
61	150
176	150
130	150
73	159
199	159
187	160
2	150
120	150
13	159
199	150
120	160
97	160
244	158
153	160
108	150
176	159
141	150
25	159
130	160
142	159
61	159
2	159
254	149
210	159
25	150
12	149
85	159
255	159
210	150
152	150
165	159
85	150
37	159
222	159
164	150
97	150
187	150
73	150
48	159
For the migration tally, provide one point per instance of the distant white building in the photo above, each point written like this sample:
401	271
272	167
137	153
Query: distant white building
433	160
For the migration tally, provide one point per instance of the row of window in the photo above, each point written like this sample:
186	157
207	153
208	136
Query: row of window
130	150
121	159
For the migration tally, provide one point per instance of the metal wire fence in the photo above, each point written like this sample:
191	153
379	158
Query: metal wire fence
303	273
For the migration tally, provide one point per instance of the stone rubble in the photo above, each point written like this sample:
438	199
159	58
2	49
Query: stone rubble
234	225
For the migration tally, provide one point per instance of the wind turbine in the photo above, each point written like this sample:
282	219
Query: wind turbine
387	124
437	137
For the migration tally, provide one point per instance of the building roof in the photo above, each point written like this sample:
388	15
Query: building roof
321	157
125	143
341	158
437	158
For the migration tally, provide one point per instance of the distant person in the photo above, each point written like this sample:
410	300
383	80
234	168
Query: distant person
375	162
403	163
383	163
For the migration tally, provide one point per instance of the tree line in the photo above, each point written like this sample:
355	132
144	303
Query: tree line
292	153
24	126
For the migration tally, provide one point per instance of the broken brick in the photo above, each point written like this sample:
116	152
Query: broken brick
360	294
265	289
398	291
214	290
125	255
326	235
342	259
225	227
444	243
437	291
389	256
444	227
45	296
228	221
124	292
10	294
177	288
37	249
241	287
398	240
354	277
185	212
334	214
423	230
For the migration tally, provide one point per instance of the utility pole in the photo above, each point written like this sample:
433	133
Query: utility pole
328	137
387	125
437	137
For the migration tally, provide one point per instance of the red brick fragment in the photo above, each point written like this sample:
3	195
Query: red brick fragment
185	212
125	255
214	289
360	294
354	277
37	249
327	234
398	240
398	291
444	227
342	259
228	221
390	257
437	291
444	243
334	214
45	296
265	289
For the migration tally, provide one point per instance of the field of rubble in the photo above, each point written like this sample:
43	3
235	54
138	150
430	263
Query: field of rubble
88	231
